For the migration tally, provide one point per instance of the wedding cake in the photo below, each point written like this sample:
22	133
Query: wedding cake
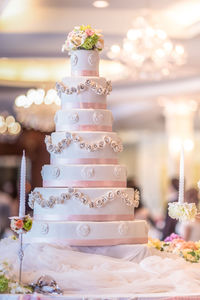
84	200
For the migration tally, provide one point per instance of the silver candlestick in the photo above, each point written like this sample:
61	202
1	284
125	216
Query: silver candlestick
21	256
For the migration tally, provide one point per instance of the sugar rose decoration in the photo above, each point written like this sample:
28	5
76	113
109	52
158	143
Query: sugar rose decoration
87	172
21	224
83	230
73	118
98	117
123	228
84	38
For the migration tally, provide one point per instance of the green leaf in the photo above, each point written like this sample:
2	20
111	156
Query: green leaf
27	225
192	253
90	42
3	284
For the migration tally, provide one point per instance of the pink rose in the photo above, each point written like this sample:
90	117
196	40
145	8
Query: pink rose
189	245
19	224
89	32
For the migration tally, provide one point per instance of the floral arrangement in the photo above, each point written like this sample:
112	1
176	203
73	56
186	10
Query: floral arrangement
182	211
8	284
175	244
21	224
84	37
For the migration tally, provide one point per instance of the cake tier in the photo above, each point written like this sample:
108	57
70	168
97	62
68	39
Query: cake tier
84	62
81	147
83	92
84	120
84	176
89	233
83	204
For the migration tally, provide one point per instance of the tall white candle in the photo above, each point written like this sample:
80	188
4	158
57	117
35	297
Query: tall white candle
181	177
22	187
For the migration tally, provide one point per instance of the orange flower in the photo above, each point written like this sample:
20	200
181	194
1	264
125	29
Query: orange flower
19	224
176	242
188	245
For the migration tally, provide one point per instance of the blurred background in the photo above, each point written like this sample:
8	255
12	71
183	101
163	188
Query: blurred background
151	55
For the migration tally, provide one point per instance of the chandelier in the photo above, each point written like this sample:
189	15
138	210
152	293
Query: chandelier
36	109
9	128
148	52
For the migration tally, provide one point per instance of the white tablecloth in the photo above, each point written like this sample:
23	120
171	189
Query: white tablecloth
127	270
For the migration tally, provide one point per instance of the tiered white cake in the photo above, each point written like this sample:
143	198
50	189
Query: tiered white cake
84	199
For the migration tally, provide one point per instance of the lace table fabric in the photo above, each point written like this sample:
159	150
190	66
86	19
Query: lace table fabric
123	269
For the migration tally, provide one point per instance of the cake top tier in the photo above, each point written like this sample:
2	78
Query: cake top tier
83	44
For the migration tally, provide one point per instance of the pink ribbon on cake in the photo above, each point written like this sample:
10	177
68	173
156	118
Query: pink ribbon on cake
84	128
83	183
32	297
98	161
96	242
91	218
86	105
84	73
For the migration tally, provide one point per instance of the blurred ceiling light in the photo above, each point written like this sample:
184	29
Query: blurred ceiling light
184	13
178	106
36	109
28	70
148	52
100	4
9	128
12	8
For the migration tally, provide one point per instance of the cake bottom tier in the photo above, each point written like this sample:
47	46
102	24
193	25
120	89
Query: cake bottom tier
88	233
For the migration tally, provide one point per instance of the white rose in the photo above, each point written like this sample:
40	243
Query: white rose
76	40
100	44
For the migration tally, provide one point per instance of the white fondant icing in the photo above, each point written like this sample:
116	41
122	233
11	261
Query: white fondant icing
73	207
83	118
118	171
83	230
123	228
84	60
44	228
80	172
73	59
73	117
93	59
92	233
55	172
87	96
98	117
77	173
74	152
84	216
87	172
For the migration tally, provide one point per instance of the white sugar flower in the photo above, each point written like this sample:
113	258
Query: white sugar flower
100	44
182	211
16	288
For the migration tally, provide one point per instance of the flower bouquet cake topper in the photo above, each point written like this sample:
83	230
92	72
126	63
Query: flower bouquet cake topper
84	38
181	210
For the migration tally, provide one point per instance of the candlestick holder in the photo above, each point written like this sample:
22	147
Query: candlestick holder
21	226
